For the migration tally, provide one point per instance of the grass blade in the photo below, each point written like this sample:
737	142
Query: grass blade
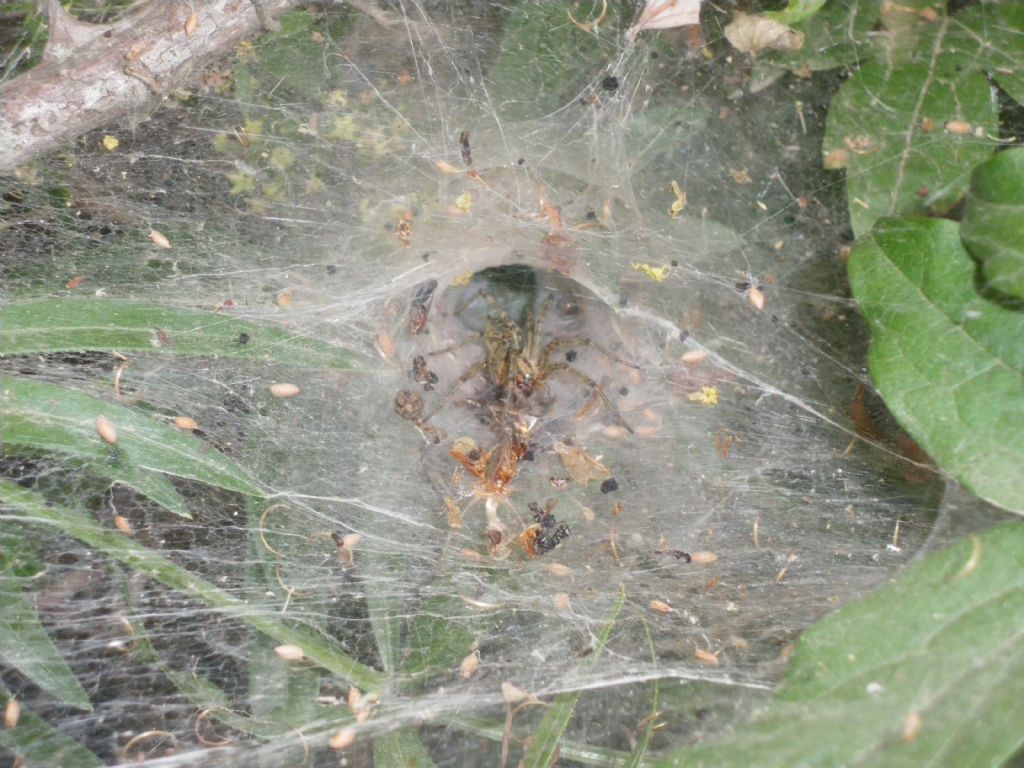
543	750
56	325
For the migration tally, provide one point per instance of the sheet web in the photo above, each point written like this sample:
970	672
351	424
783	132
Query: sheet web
394	190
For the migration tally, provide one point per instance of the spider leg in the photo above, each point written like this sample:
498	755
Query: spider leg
457	345
553	346
476	370
593	385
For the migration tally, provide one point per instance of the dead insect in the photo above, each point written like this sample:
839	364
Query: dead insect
546	533
409	405
420	306
422	374
467	155
678	554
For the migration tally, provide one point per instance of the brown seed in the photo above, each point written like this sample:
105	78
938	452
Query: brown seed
471	554
756	298
191	23
958	127
12	713
385	346
703	558
561	601
122	524
159	238
355	697
284	298
927	125
289	652
694	357
557	569
469	665
513	694
284	390
911	727
706	657
836	160
660	606
186	423
106	429
343	739
74	282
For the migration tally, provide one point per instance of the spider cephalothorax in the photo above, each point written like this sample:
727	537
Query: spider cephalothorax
517	361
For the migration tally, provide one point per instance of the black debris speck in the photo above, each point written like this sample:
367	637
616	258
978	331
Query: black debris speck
243	338
610	83
609	485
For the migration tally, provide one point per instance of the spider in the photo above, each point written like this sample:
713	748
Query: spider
517	362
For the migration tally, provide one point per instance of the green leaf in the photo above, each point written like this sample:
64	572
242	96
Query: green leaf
401	749
532	75
57	325
949	363
887	127
837	34
25	646
544	747
49	418
796	11
928	670
994	32
38	743
443	631
31	507
993	222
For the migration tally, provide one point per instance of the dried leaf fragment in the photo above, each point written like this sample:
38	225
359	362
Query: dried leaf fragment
666	14
580	465
122	524
159	238
753	34
74	282
191	23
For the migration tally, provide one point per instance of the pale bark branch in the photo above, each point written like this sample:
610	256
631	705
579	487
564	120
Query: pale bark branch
95	74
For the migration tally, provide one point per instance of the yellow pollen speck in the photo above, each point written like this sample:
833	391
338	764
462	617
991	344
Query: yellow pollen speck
657	274
706	396
679	204
110	143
